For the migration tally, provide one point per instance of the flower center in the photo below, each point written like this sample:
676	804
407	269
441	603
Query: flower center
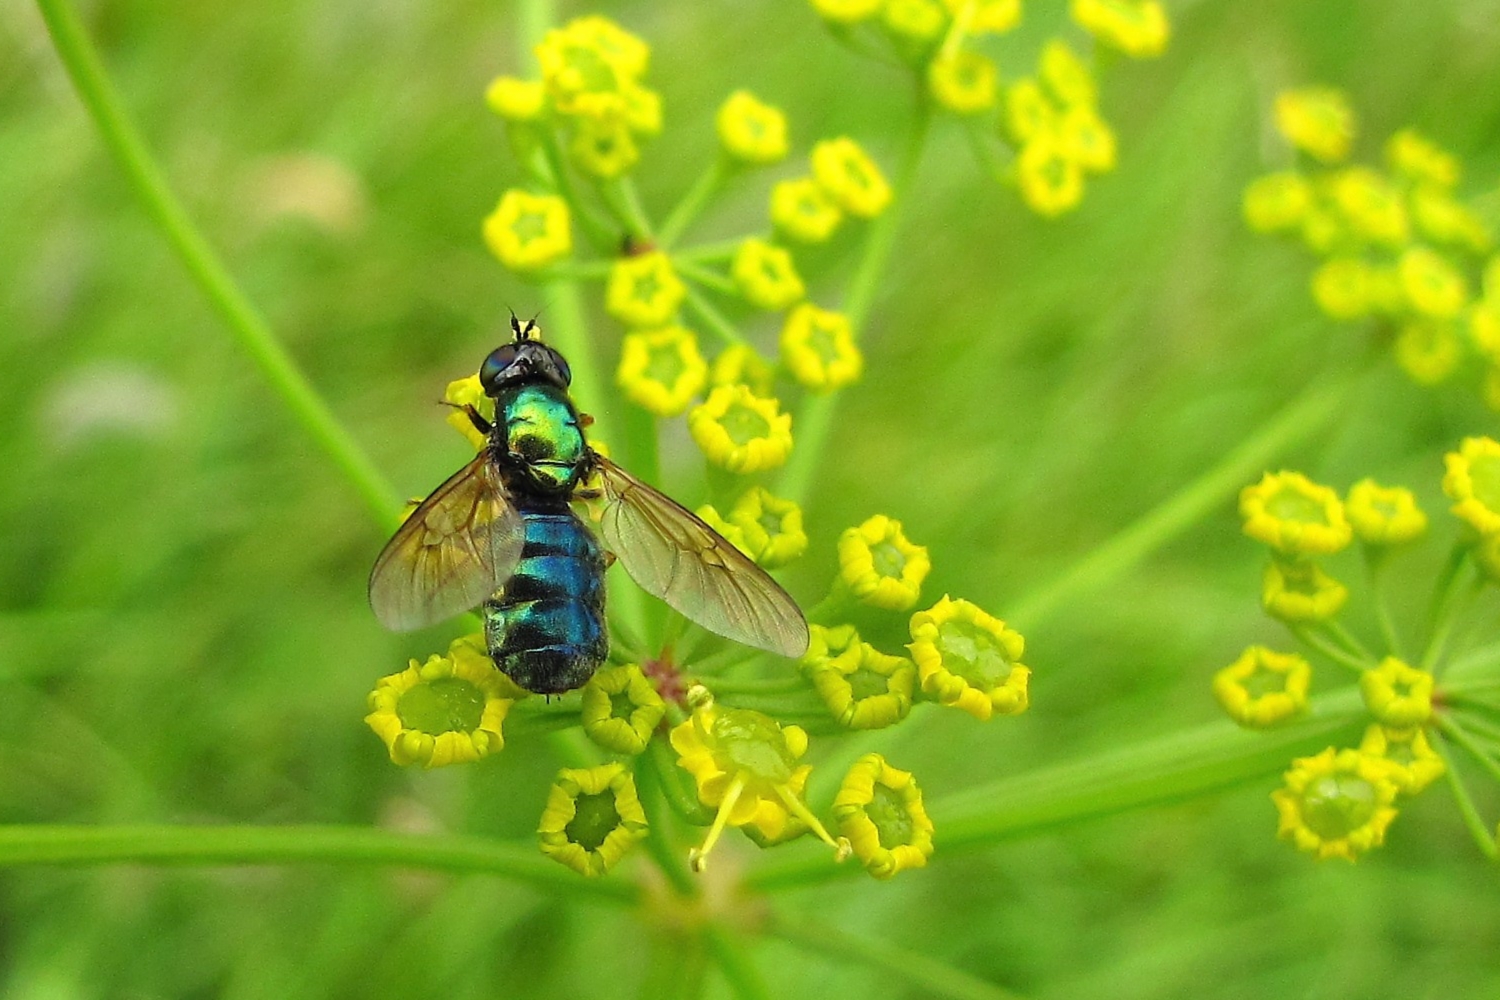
887	810
594	818
1264	682
1293	505
754	743
744	424
821	340
868	684
972	654
1485	473
530	226
645	288
620	705
444	705
889	560
1335	805
591	70
665	365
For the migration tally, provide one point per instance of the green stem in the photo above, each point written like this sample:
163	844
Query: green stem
1375	563
1126	549
245	322
688	209
1448	604
624	204
715	320
1335	653
1451	728
757	685
262	845
604	238
814	420
671	861
1186	764
1348	640
1466	808
708	253
931	977
735	963
707	277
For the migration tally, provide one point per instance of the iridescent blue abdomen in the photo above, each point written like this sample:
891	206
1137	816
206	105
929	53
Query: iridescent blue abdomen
546	628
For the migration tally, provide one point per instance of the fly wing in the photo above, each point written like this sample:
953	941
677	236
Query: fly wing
458	547
673	555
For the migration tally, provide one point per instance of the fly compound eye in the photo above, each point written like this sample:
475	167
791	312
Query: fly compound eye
563	371
492	374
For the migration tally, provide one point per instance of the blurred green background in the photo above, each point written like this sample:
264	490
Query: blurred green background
183	629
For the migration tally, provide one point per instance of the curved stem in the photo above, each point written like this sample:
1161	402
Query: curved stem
1375	562
260	845
207	271
1335	653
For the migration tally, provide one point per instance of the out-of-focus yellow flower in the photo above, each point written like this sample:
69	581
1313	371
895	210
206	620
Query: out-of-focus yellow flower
750	130
468	392
1397	694
801	209
642	110
1384	289
644	290
738	364
1428	350
603	147
1300	592
744	764
863	687
1371	206
621	709
587	64
1484	328
1028	113
847	175
592	818
1087	139
1415	156
1317	120
1384	515
662	370
817	347
1277	202
1410	761
986	17
1433	286
1294	515
880	566
766	275
1472	481
880	810
527	231
448	710
1341	287
1442	219
1323	231
1263	687
846	11
1066	75
739	431
1137	28
917	20
826	642
969	659
1337	804
1051	181
963	81
1491	281
516	100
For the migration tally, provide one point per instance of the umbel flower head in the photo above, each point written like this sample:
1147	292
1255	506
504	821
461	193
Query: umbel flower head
880	566
621	709
879	809
527	232
740	431
592	818
448	710
661	370
1337	804
969	659
744	764
1263	687
1294	515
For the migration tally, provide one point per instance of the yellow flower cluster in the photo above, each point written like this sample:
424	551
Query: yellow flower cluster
1054	119
844	180
1396	244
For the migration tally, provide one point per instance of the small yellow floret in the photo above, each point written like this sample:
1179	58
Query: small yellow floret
847	175
1384	515
880	566
1277	202
801	209
1433	285
1472	481
1414	155
1263	687
1050	179
879	809
644	290
964	82
739	431
1337	804
969	659
527	231
750	130
592	818
1317	120
1294	515
766	275
1137	28
662	370
1396	694
1300	592
817	347
516	100
1410	761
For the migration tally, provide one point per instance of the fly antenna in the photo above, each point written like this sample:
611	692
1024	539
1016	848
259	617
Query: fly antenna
515	326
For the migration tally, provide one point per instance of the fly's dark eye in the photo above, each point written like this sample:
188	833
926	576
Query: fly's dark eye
494	367
563	369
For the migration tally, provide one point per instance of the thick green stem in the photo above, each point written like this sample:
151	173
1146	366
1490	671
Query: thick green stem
277	845
814	420
244	321
1303	417
931	977
1182	765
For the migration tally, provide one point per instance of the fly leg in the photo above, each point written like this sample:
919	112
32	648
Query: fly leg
481	425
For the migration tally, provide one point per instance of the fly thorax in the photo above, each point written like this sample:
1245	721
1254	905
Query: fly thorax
542	436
